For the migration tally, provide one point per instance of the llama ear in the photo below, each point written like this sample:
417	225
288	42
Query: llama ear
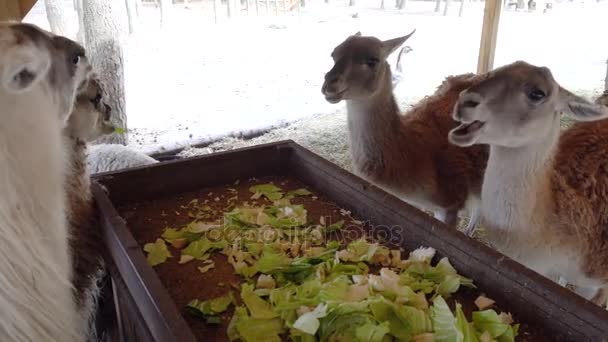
23	67
358	34
580	109
393	44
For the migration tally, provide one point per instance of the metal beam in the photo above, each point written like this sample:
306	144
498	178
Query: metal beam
489	33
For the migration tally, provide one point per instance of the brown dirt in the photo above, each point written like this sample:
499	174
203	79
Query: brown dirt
185	282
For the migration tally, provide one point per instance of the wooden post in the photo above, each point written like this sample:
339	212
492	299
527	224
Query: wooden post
489	33
15	9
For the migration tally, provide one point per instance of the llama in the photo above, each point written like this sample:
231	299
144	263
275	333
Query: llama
544	194
89	120
408	155
39	76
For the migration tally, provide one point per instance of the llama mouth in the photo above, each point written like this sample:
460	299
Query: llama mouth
333	99
336	97
468	128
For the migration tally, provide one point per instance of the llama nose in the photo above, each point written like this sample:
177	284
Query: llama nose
466	101
331	78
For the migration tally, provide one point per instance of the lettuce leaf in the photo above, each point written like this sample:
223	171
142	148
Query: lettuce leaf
309	321
467	329
251	329
210	308
258	307
444	323
488	320
199	249
157	252
270	191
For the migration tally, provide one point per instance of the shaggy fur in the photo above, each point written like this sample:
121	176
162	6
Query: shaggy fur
112	157
40	74
544	195
408	155
89	120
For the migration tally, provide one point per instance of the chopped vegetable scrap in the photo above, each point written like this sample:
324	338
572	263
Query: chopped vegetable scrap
297	284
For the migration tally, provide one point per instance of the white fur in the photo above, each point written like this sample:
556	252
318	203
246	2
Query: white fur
112	157
513	222
36	297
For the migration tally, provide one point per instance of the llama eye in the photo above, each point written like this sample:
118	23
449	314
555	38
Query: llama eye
76	59
536	95
372	62
96	100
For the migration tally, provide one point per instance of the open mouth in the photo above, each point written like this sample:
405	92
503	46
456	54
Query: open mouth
467	128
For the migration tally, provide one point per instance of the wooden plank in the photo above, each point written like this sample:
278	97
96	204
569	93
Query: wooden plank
15	10
489	33
9	10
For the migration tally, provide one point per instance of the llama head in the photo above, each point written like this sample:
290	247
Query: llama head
90	118
516	105
31	57
360	68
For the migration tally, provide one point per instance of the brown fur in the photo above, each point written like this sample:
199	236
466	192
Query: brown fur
580	192
409	154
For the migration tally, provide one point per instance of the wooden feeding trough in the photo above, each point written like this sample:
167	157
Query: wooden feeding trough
149	302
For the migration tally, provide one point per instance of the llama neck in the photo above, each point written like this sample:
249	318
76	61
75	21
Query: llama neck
517	183
374	127
78	183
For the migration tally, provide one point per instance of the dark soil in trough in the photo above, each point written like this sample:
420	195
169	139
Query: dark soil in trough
185	282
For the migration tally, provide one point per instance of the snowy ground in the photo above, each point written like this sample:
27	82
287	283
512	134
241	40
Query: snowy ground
197	81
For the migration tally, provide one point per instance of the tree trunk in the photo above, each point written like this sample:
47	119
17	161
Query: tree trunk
131	14
230	7
437	6
55	13
217	4
461	10
402	4
165	12
81	29
137	7
606	80
351	3
447	7
104	29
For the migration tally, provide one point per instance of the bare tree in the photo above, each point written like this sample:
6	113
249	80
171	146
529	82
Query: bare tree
80	35
131	14
55	13
437	6
105	26
351	3
606	80
461	10
165	11
401	4
447	7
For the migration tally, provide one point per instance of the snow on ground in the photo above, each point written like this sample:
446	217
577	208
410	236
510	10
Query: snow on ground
196	80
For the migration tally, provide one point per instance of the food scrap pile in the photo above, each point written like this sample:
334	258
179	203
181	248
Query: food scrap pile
300	283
